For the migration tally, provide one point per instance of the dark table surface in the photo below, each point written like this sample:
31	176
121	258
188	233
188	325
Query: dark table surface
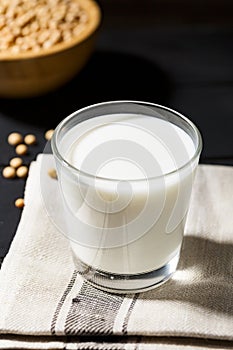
181	62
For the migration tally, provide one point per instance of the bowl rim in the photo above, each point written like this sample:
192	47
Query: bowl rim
95	13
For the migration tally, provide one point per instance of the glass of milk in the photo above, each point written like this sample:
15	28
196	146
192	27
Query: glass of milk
125	171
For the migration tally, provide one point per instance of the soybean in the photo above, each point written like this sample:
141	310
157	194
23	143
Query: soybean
16	162
21	149
49	133
14	138
22	171
28	25
52	173
30	139
19	203
9	172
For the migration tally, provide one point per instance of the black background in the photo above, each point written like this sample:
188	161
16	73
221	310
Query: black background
175	53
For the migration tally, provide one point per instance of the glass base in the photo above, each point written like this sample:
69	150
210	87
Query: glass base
120	283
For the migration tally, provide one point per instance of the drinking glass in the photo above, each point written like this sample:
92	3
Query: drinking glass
126	171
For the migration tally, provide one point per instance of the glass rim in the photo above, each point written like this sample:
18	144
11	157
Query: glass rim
65	121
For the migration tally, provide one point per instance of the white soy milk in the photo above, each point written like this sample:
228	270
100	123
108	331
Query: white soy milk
127	215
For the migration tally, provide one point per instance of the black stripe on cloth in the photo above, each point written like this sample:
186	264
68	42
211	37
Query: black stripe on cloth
93	311
61	302
99	346
126	321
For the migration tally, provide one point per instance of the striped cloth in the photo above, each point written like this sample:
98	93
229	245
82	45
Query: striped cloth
46	304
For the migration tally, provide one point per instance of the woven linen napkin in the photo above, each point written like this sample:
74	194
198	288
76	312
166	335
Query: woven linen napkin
46	304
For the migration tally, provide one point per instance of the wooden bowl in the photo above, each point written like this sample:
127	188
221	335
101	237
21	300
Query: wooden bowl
29	74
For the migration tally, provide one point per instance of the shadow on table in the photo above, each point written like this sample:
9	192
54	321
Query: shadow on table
107	76
204	276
